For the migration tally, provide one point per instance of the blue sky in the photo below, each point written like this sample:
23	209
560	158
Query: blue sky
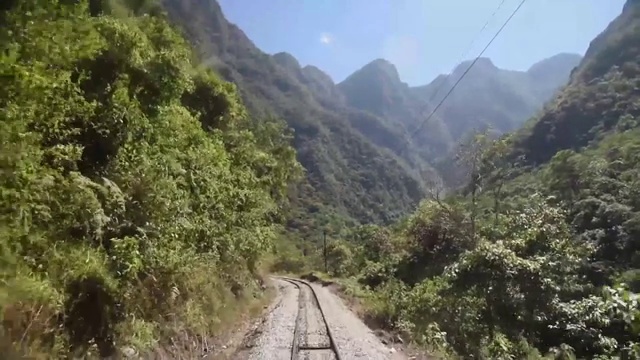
423	38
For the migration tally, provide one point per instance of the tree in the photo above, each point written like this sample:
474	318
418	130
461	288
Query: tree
340	258
564	175
522	276
470	156
497	167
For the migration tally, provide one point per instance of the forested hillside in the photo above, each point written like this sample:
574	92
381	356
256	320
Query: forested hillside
353	138
538	256
348	175
137	197
600	98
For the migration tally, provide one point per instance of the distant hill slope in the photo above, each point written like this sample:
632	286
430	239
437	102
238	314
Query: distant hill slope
489	97
353	138
602	96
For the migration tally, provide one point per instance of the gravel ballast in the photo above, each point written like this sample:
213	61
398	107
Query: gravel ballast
274	339
353	338
313	332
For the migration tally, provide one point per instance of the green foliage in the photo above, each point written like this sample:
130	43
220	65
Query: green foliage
136	197
517	291
437	234
339	258
536	275
292	256
599	187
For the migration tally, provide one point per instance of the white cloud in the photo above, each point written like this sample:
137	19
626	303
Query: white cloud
326	38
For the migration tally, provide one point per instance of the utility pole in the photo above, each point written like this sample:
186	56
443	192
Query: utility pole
324	241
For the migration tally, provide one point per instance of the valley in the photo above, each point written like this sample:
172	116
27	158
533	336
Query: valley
158	170
362	128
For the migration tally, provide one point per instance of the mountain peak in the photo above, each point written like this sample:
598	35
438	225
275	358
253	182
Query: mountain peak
377	88
286	60
381	62
482	64
321	84
382	66
560	61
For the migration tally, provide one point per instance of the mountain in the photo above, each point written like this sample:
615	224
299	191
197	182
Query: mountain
487	97
550	74
357	140
349	175
492	97
322	86
376	88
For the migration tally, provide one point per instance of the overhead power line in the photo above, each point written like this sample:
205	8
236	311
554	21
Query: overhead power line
466	71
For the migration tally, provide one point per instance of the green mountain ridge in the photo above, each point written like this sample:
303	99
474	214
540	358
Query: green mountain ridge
376	88
582	113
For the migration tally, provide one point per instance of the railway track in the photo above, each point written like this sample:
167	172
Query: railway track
312	338
296	326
